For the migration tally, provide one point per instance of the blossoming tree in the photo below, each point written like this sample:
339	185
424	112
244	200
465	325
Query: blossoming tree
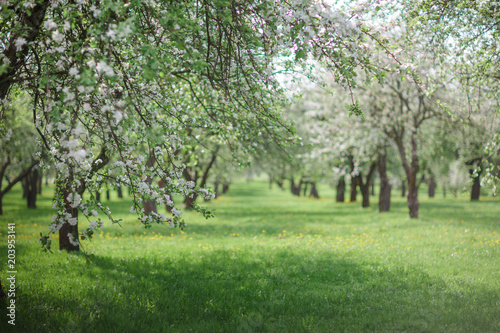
114	84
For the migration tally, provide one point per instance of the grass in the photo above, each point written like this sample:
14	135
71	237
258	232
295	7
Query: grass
269	262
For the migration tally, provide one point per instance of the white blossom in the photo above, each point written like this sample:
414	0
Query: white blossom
19	43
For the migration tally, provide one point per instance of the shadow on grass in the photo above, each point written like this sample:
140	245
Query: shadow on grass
268	292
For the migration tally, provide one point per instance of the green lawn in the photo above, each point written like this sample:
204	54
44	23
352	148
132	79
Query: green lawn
268	262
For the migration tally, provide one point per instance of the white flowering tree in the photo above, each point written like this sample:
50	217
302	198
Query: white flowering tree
114	84
468	33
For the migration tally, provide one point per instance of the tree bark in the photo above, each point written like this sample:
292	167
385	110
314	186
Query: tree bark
384	202
411	170
68	229
365	186
413	203
296	188
340	190
119	192
98	196
24	183
31	181
314	191
39	183
403	188
354	188
432	187
475	173
476	187
225	187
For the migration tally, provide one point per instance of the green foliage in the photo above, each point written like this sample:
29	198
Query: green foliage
355	109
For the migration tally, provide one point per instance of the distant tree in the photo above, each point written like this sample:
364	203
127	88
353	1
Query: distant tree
19	153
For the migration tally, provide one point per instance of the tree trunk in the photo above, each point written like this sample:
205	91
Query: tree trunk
98	196
149	207
384	202
32	180
24	183
225	187
189	201
403	188
412	202
108	195
444	190
475	173
119	192
1	204
432	187
68	229
476	187
314	191
365	186
296	188
372	184
340	190
216	188
365	193
411	170
354	188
